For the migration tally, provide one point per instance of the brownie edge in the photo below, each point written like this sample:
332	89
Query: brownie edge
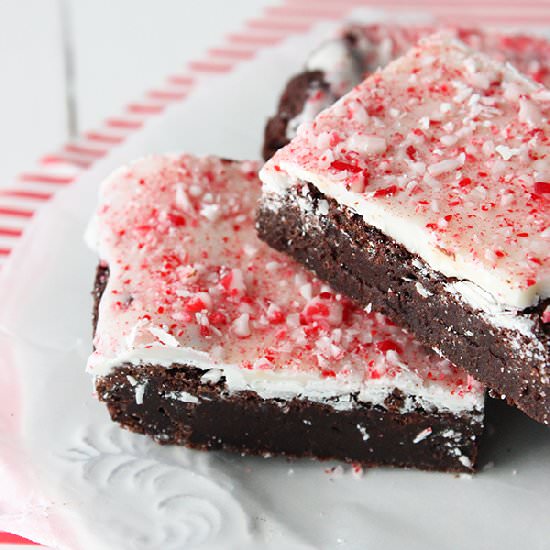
248	424
291	104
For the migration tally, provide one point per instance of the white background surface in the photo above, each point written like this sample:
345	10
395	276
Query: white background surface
120	48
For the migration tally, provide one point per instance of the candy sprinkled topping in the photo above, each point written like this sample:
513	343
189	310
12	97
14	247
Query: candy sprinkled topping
210	285
358	50
458	175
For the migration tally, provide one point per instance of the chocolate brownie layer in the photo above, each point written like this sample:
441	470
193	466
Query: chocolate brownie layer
174	406
359	261
291	104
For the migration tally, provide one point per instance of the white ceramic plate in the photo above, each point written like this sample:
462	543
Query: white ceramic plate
72	479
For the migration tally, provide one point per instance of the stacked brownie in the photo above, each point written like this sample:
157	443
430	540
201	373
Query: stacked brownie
417	199
425	192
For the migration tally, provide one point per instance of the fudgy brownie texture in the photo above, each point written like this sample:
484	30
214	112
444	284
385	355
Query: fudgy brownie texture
362	263
246	423
291	104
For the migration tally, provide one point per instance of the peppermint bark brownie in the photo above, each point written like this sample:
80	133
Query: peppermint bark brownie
206	337
425	191
342	62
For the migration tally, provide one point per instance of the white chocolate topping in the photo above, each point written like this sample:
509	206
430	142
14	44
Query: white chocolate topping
191	284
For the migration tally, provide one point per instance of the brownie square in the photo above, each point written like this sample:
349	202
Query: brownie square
424	191
206	337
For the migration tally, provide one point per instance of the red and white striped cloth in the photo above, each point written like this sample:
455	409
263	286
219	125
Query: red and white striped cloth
33	189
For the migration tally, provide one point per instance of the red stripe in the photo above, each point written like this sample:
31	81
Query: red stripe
311	12
124	123
46	178
181	80
232	53
261	40
8	538
35	195
145	109
424	3
16	212
431	4
103	138
167	96
84	150
270	24
530	12
61	158
495	18
5	251
10	232
210	67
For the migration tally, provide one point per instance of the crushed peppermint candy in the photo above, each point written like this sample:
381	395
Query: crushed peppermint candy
422	435
189	283
464	167
362	49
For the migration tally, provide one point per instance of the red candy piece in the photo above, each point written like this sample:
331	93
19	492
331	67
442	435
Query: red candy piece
340	165
391	190
542	187
389	345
